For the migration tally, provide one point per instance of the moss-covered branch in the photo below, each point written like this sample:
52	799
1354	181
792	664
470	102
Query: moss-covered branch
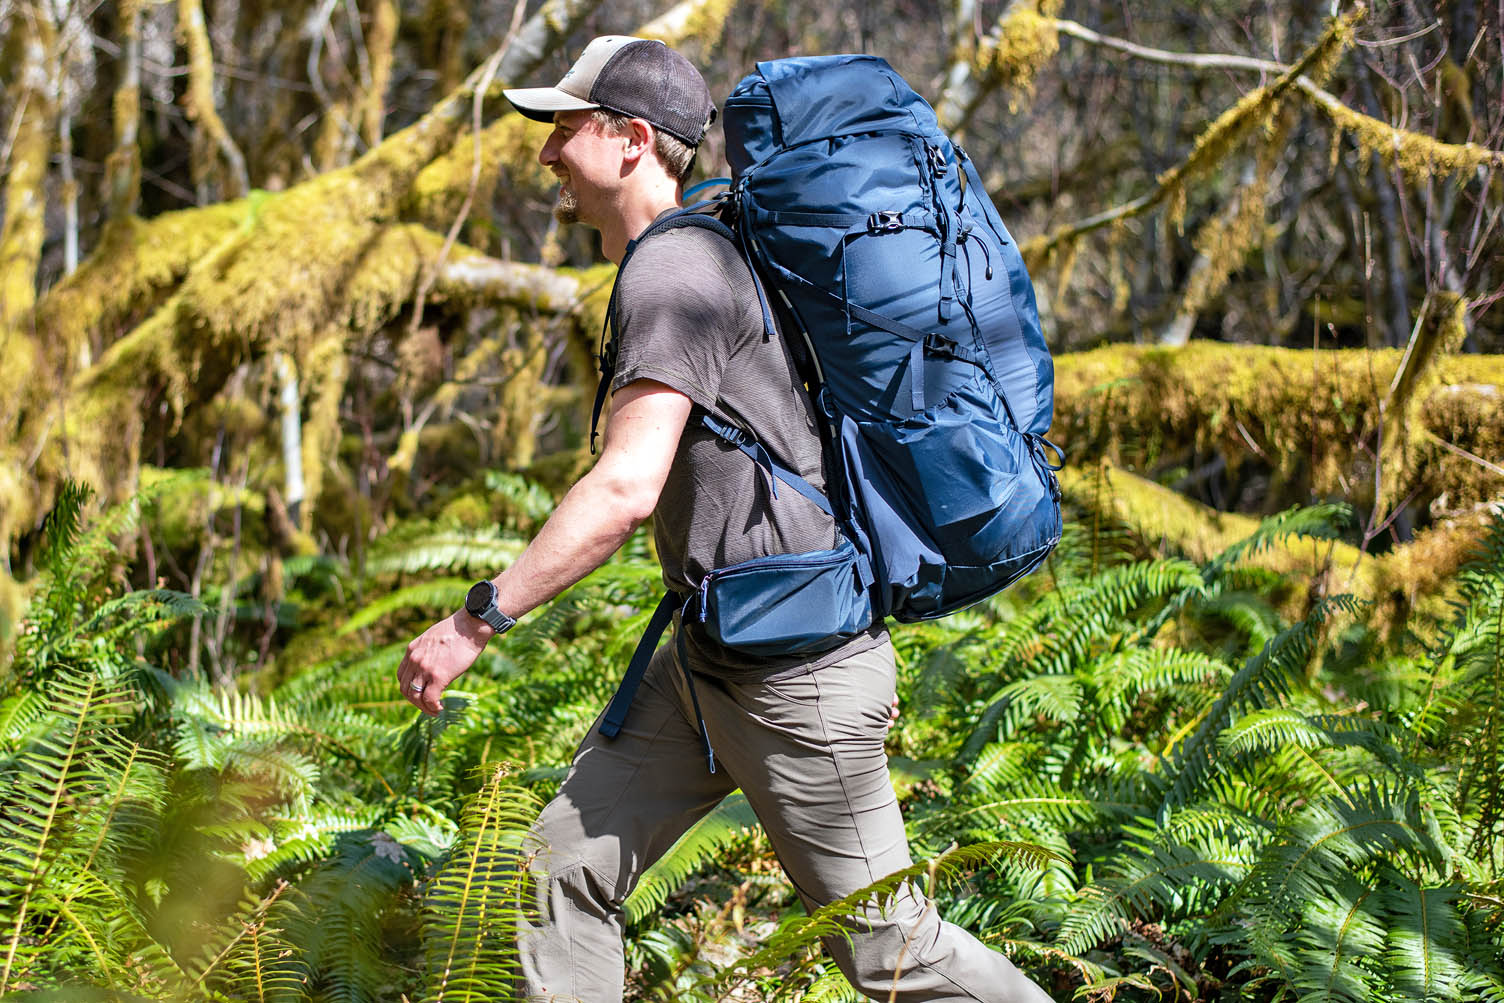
381	44
1417	573
1009	56
22	352
689	20
1415	153
1250	112
200	98
1316	421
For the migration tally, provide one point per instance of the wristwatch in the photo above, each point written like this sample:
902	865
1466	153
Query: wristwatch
480	602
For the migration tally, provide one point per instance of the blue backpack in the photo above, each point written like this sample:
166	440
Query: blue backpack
911	316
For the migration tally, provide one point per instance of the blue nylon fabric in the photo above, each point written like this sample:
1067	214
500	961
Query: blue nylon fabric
940	448
787	604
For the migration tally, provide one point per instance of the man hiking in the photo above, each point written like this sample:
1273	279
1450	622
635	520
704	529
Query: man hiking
802	737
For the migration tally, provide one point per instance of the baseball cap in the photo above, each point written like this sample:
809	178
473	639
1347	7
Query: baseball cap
637	77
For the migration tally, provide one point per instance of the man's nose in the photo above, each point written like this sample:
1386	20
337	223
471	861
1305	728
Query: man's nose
548	154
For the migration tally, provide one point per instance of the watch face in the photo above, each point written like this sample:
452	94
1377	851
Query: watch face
481	597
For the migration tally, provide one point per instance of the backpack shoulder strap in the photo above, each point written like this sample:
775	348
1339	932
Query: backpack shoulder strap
690	216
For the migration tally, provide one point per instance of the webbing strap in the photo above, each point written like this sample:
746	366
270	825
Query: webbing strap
616	711
694	698
621	702
754	450
859	224
858	311
688	216
783	217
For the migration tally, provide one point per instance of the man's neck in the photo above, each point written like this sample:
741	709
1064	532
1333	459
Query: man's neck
636	212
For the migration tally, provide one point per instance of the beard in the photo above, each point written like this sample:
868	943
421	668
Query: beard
567	209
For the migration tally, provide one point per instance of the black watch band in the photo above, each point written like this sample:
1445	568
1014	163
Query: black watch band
480	602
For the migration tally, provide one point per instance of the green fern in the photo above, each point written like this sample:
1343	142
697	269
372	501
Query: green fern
834	919
74	803
1262	681
726	822
473	903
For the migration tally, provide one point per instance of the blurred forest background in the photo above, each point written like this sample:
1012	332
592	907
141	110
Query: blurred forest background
291	351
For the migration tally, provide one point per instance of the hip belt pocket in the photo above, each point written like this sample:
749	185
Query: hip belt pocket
787	604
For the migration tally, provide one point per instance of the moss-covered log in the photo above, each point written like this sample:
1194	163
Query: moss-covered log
1317	420
200	292
1417	575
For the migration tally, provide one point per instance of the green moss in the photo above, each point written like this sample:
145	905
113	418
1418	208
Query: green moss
467	511
1021	44
1310	416
1418	155
1418	575
691	20
508	149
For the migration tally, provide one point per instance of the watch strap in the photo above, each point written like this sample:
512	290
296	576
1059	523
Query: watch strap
498	620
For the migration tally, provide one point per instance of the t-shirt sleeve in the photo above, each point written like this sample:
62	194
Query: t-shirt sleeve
676	318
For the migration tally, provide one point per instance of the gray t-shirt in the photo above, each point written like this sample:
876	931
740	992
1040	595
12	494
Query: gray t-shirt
688	316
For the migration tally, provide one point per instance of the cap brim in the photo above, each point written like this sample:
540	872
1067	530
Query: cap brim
540	103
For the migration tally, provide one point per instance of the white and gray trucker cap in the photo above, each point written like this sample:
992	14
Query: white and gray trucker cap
636	77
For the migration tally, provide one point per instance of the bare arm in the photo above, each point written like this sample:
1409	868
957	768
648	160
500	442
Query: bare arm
598	514
590	524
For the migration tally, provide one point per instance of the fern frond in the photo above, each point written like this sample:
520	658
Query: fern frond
19	714
472	906
1424	937
1322	522
446	551
831	987
435	594
337	916
1335	836
52	780
1150	876
1261	682
1122	677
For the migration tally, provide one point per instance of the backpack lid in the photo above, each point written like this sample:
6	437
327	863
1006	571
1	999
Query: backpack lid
791	101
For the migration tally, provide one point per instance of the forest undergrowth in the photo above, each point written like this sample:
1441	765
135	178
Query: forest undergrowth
1141	777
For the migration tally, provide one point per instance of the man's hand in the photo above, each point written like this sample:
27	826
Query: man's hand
591	522
439	656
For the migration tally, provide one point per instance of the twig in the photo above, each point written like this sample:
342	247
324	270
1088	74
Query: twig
1451	447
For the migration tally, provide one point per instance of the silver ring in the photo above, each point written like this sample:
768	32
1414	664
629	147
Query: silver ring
415	686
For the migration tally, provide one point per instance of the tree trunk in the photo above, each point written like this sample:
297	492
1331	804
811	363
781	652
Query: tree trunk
200	100
381	44
123	168
23	376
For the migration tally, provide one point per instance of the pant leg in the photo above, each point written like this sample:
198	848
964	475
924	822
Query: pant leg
808	754
623	804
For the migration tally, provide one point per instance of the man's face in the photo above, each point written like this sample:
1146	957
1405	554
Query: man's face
587	163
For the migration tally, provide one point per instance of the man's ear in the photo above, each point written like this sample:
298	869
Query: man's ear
639	139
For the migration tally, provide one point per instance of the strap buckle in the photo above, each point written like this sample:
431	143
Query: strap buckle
938	163
884	222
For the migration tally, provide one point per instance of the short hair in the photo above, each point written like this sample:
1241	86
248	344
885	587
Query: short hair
676	156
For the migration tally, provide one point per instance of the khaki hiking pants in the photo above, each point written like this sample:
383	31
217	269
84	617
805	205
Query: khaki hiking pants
808	754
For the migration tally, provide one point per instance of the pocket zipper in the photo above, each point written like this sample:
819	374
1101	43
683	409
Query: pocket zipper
711	577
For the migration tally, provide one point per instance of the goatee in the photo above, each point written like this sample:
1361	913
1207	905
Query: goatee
567	209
